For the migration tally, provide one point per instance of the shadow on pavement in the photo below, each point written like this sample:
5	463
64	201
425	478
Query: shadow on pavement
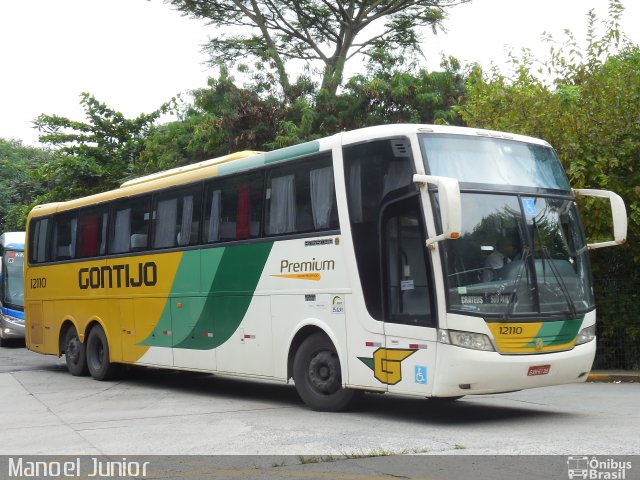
467	411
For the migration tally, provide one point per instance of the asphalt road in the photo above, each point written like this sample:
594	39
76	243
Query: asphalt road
46	411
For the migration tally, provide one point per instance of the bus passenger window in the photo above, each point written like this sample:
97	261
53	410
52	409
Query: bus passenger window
38	241
282	205
63	246
233	208
323	198
129	231
301	197
92	232
176	218
166	215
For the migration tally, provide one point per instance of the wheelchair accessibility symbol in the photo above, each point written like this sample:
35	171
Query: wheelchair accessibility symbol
420	374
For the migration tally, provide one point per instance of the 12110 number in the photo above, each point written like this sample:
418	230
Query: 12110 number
510	330
39	282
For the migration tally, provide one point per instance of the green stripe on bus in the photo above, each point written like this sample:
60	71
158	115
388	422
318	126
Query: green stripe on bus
241	165
270	157
230	295
229	276
292	152
557	333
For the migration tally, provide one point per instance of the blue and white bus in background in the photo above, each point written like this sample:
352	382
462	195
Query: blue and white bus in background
11	286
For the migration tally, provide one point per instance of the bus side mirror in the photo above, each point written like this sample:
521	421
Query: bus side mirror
450	207
618	212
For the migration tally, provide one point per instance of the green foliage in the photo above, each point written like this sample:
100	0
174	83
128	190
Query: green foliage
394	92
225	118
95	155
222	119
19	183
586	103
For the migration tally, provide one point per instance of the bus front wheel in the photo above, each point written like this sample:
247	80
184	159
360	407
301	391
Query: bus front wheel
98	362
75	353
318	376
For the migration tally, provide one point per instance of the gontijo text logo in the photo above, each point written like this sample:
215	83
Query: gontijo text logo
597	469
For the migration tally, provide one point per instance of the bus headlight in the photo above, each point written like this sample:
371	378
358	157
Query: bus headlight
586	335
474	341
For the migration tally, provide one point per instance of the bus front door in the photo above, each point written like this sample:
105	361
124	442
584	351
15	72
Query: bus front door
410	318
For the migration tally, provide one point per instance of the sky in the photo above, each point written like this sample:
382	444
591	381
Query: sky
135	55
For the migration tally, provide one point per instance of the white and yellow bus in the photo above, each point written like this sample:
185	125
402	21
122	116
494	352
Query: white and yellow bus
371	260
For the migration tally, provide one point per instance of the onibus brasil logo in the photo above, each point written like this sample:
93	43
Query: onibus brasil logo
593	468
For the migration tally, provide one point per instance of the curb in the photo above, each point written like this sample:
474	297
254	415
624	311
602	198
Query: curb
614	377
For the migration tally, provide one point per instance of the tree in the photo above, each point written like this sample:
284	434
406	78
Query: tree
92	156
311	31
394	91
224	118
19	183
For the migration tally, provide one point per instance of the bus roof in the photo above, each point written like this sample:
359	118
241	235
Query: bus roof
12	240
248	159
190	168
361	134
235	162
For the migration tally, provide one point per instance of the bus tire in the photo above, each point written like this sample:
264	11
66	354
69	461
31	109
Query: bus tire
75	353
98	362
318	377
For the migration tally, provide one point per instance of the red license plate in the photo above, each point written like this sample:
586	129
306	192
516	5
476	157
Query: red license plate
538	370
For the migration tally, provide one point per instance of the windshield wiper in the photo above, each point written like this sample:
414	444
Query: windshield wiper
516	284
563	285
556	274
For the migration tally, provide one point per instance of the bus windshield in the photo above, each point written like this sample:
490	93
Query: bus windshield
13	276
493	161
518	256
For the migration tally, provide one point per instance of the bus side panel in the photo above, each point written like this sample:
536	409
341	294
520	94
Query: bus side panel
34	332
249	350
365	345
307	284
185	312
50	328
199	323
139	288
291	313
43	285
240	319
122	308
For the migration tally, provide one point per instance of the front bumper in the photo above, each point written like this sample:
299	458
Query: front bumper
462	371
11	327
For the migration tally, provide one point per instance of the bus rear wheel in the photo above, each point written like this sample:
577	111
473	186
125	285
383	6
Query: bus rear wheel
98	362
75	354
318	376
